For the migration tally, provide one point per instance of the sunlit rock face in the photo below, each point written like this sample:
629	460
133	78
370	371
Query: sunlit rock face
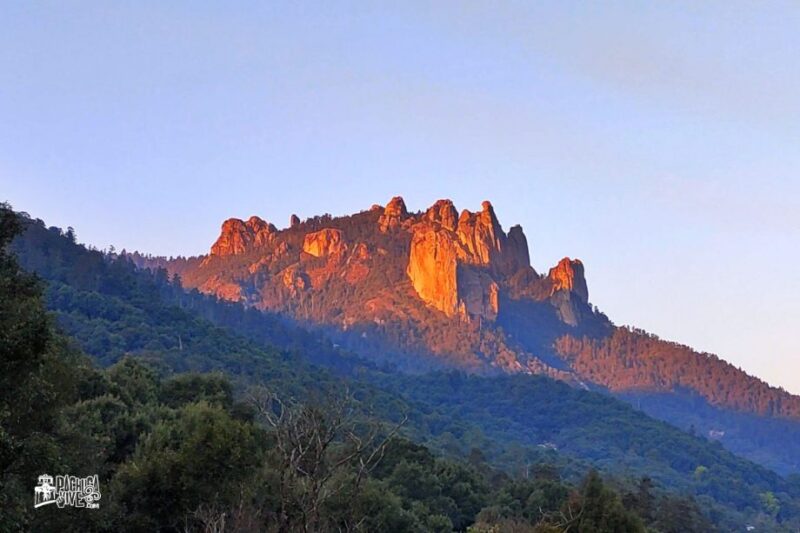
568	289
432	267
568	275
393	215
441	283
443	213
455	263
324	243
238	237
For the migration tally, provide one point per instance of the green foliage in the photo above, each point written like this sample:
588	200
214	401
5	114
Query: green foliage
199	455
601	509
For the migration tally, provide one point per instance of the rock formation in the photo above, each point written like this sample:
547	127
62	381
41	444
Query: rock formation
455	264
431	283
568	293
393	215
295	280
432	267
324	242
238	237
444	213
568	275
479	294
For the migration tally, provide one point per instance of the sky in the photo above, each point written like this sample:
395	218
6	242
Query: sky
656	141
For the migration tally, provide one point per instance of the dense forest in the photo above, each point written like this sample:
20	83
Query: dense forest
632	359
492	454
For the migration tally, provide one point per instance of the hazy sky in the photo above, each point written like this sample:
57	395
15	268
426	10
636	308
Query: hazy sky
658	143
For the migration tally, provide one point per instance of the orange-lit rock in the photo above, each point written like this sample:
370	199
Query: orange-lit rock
357	267
233	240
568	276
393	215
479	232
487	244
568	292
432	267
324	242
443	212
295	280
361	252
238	237
222	289
482	253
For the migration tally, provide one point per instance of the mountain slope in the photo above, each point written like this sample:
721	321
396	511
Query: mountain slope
440	289
508	417
182	454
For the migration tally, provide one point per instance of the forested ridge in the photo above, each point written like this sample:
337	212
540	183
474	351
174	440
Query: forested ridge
359	293
362	293
483	434
631	359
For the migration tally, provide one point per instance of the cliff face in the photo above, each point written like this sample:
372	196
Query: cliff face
382	277
455	265
433	268
568	292
568	276
324	243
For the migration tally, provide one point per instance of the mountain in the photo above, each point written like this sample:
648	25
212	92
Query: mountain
439	289
112	310
188	452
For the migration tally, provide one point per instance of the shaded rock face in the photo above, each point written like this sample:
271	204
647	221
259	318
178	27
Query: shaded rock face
239	237
517	255
479	294
455	264
294	221
324	242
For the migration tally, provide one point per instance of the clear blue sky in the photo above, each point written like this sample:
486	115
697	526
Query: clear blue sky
660	143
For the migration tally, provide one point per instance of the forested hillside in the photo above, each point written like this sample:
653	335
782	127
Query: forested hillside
183	454
113	309
439	289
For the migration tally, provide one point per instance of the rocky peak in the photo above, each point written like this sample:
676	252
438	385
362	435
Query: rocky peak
443	212
457	264
517	249
294	221
479	233
238	237
568	291
393	214
568	276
